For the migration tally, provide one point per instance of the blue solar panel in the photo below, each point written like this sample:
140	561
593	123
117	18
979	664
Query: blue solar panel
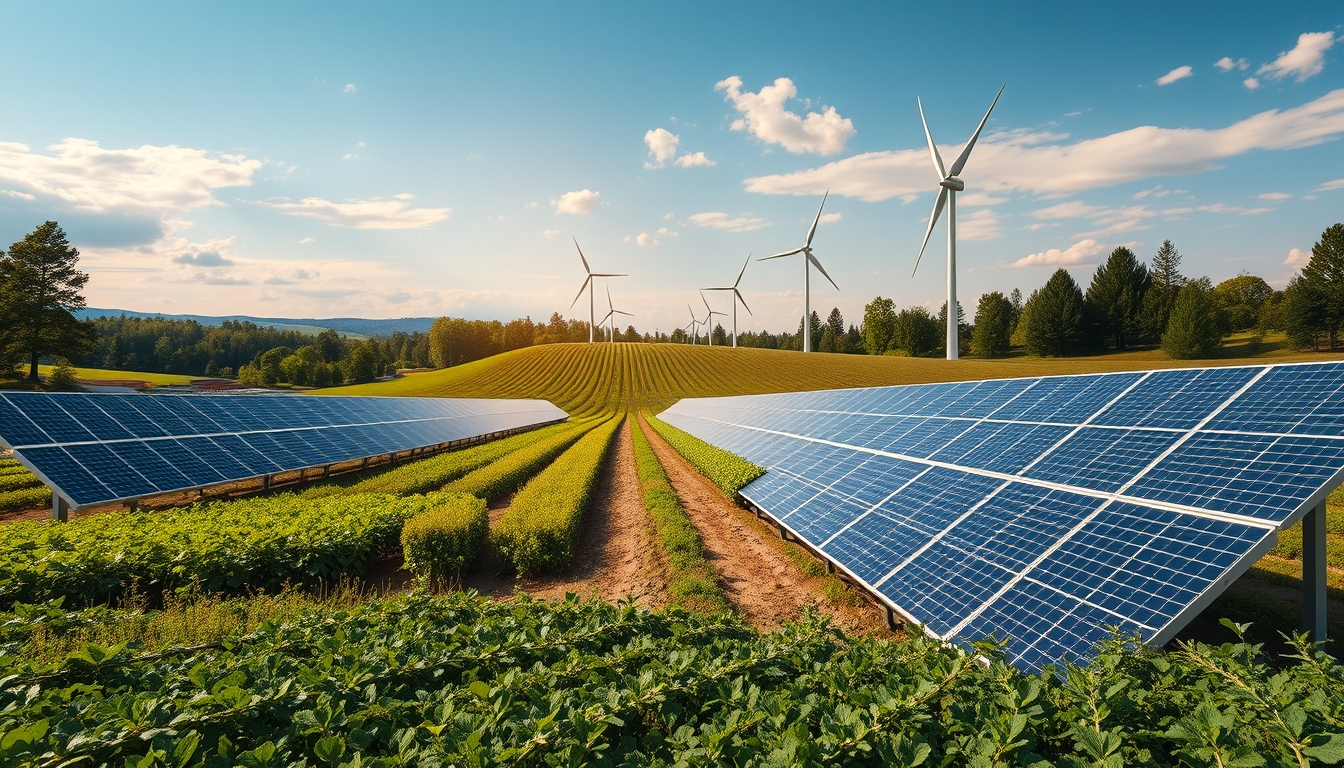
1043	511
99	448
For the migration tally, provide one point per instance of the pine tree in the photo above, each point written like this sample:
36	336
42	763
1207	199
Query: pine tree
1192	331
43	290
1055	327
1016	299
1165	281
837	322
1324	274
1115	298
993	316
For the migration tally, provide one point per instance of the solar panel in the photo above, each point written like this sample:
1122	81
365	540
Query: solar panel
1043	511
96	448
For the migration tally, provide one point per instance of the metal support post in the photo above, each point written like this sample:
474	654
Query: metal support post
326	471
265	482
891	619
830	567
60	508
364	464
1313	573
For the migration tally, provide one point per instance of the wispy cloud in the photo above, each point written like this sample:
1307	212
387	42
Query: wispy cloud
1329	185
1307	58
720	220
582	201
1179	73
375	213
763	115
1274	196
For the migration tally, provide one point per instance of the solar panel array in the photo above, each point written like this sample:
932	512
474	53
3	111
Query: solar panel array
93	448
1045	510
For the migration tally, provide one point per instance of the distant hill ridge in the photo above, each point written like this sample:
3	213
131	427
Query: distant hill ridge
347	326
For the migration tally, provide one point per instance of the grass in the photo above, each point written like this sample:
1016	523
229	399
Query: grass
159	379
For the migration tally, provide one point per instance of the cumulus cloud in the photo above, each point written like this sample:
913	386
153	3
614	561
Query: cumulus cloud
662	147
375	213
764	116
1251	83
1179	73
693	160
831	218
1049	164
147	180
580	201
307	240
203	259
665	232
720	220
1080	253
1307	58
1226	64
349	88
644	239
1297	258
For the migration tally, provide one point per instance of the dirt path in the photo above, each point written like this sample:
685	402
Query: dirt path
755	570
616	554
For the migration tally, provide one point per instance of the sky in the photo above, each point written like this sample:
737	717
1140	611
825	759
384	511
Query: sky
396	160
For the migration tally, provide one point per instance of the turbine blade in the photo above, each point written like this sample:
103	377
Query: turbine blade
937	211
782	255
702	298
580	294
608	298
813	230
820	268
581	258
619	312
717	289
604	274
688	309
933	148
744	269
966	151
744	301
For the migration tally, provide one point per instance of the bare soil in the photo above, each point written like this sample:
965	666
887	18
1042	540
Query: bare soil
756	572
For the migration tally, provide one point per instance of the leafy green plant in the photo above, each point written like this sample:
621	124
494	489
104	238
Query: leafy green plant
509	473
439	544
26	498
18	481
731	473
538	531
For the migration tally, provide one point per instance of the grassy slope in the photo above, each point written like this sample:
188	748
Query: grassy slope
107	373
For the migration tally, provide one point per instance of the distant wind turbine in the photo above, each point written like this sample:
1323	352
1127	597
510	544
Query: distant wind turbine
737	296
808	262
709	319
951	185
694	325
588	283
612	312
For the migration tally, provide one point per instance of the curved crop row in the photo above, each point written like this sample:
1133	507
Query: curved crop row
26	498
542	524
439	544
510	472
692	581
13	469
726	470
17	481
256	542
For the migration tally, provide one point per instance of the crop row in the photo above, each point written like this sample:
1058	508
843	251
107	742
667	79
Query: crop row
254	543
508	473
692	581
25	498
459	680
18	481
726	470
540	528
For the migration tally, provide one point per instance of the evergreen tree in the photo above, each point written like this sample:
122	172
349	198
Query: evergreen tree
1323	279
827	342
1019	337
993	318
1305	313
815	330
1115	298
1055	327
42	291
963	330
1165	281
879	323
1193	331
837	323
1016	299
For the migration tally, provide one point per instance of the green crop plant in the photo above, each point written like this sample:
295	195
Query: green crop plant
15	482
510	472
26	498
439	544
728	471
14	468
692	582
260	542
540	528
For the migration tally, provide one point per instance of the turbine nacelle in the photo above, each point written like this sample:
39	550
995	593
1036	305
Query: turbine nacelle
953	183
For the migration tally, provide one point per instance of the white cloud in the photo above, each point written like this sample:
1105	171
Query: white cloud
694	160
532	204
307	240
1251	83
1129	218
203	259
1179	73
831	218
665	232
720	220
1329	185
1297	258
580	201
146	180
662	147
350	156
1255	211
1227	64
973	199
19	195
349	88
374	213
764	116
1156	191
1307	58
644	239
979	225
1274	196
549	234
1006	162
668	216
1080	253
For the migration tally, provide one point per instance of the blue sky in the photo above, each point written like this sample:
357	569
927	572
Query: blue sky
385	161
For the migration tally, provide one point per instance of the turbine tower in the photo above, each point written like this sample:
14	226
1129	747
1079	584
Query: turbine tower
709	319
588	283
951	185
737	296
612	312
808	262
694	325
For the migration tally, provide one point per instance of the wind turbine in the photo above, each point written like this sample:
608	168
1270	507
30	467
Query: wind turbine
588	283
612	312
709	319
737	296
811	260
694	325
951	185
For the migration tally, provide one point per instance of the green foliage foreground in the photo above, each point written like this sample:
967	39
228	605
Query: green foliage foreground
726	470
459	680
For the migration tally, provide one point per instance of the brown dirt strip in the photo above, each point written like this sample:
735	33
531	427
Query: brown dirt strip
616	556
755	570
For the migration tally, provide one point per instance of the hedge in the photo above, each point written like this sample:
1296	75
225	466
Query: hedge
25	498
728	471
510	472
439	544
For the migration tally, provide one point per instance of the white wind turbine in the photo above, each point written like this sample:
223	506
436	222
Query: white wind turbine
694	325
951	185
737	296
588	283
709	319
612	312
811	260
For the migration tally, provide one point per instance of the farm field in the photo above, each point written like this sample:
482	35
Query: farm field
107	374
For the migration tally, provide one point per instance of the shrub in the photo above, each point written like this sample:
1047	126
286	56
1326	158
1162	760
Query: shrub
540	528
25	498
508	474
442	542
1192	331
731	473
16	481
63	378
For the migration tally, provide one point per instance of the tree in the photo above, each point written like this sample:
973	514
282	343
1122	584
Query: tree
837	323
364	362
1321	292
993	320
1019	337
915	332
1016	299
1192	330
1055	327
1115	298
827	342
43	291
64	377
1165	281
963	330
879	322
1306	312
815	330
1239	301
